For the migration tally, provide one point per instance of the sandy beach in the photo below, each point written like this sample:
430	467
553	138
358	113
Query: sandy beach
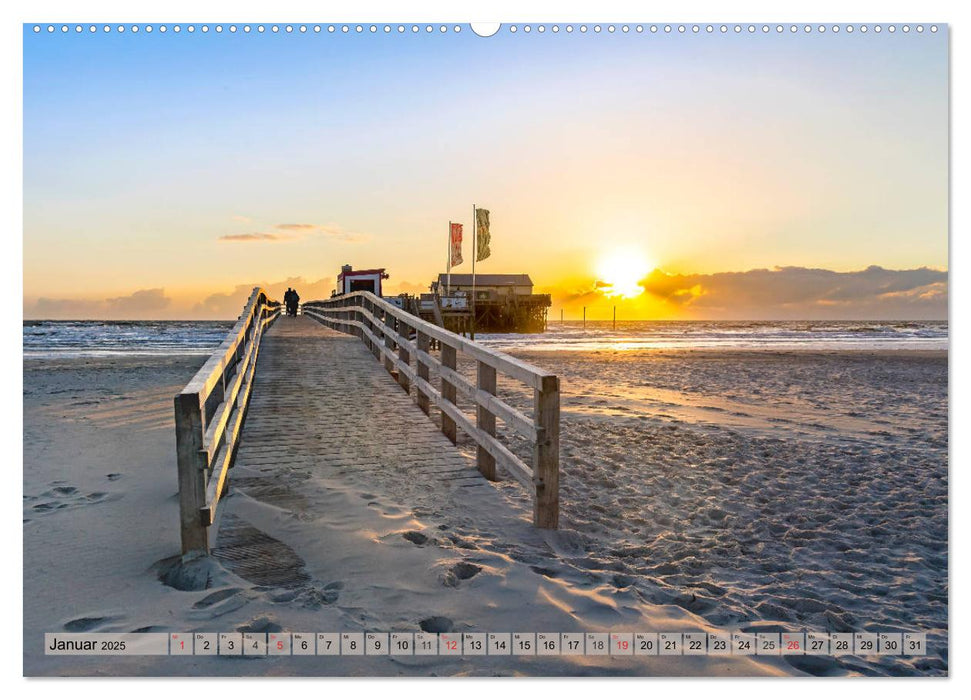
801	489
700	490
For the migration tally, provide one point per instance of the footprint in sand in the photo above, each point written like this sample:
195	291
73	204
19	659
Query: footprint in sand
63	496
313	597
86	624
415	537
260	624
217	597
437	624
460	571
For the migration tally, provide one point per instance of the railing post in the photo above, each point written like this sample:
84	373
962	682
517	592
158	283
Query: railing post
192	472
424	345
546	454
375	349
448	390
485	420
387	324
404	330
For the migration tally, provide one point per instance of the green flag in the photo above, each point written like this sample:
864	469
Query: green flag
482	234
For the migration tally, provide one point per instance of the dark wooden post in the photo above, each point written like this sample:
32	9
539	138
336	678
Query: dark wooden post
485	420
388	325
375	350
192	461
546	454
424	345
449	360
404	330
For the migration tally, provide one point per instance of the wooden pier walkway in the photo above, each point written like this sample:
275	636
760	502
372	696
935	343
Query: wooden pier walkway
320	399
283	395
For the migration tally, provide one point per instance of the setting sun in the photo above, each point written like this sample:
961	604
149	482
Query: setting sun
620	273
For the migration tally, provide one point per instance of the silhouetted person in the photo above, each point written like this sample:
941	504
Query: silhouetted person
288	301
294	301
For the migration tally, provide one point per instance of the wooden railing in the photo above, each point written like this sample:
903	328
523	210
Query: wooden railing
209	414
388	332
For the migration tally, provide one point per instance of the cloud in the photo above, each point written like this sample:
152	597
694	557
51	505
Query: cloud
253	237
800	292
392	288
230	304
45	307
337	233
327	230
140	304
293	232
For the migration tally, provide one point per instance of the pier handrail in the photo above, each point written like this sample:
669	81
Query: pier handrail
209	414
386	330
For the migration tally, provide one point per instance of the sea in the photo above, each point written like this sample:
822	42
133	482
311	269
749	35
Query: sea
67	339
75	339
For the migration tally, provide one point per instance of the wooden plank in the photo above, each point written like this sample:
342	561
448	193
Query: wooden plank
509	415
386	332
514	466
217	479
510	462
405	357
220	472
192	472
427	358
546	455
508	365
423	342
386	327
374	328
437	313
210	373
486	420
449	360
196	445
225	409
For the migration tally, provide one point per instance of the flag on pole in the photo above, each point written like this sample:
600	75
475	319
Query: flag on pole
482	234
456	236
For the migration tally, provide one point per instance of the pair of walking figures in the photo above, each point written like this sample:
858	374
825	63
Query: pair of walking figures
291	299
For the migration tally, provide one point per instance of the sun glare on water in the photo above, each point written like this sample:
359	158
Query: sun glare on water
620	274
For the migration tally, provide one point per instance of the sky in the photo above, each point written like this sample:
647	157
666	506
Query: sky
674	176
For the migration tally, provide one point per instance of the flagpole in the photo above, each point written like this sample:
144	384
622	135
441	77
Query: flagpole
475	254
448	258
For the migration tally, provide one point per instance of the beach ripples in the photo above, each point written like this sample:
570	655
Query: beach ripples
815	528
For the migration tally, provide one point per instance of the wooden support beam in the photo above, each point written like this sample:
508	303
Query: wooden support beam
192	465
486	420
423	347
449	360
546	455
387	324
405	356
